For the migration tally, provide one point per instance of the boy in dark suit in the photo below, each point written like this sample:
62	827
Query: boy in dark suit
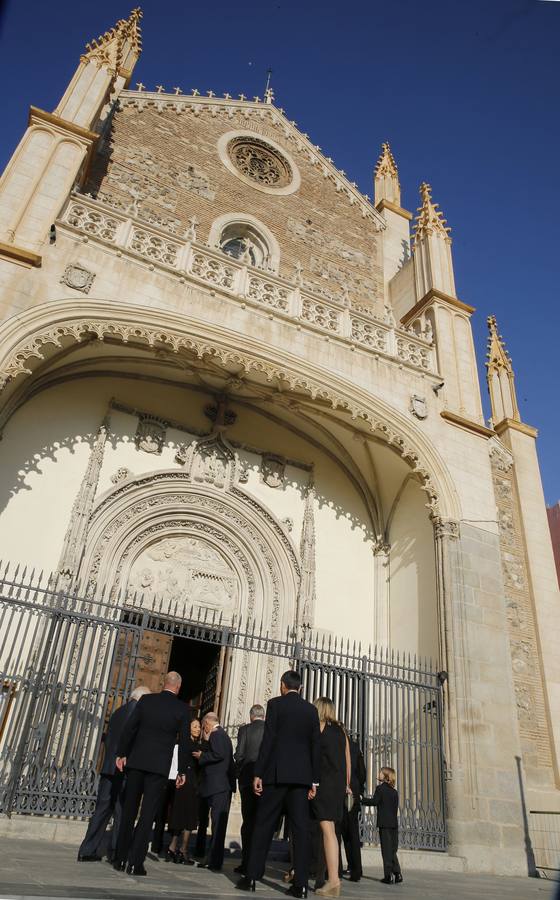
386	799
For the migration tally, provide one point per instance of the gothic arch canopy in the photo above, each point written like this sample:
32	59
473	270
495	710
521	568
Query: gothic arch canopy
33	338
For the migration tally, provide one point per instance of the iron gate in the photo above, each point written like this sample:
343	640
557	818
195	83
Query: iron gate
68	658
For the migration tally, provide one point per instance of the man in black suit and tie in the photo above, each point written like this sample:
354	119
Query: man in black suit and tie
111	782
350	827
249	740
217	783
286	776
146	749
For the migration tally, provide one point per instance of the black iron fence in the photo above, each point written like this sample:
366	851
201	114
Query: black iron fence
68	658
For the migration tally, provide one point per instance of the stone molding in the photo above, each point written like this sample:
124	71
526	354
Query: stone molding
505	424
20	255
186	258
466	424
433	295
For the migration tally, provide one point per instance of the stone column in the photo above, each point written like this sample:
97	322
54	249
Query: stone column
381	594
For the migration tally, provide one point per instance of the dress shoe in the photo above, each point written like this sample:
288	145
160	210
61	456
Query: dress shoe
355	878
246	884
119	865
89	857
299	892
398	878
386	881
202	864
135	870
239	870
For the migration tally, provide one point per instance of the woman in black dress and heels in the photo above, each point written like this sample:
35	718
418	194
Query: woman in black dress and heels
328	805
184	811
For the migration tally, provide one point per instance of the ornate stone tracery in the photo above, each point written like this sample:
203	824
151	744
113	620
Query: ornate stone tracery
259	161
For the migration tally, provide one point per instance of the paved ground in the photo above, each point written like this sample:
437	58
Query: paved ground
41	869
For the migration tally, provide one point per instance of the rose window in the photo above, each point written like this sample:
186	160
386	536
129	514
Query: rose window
260	162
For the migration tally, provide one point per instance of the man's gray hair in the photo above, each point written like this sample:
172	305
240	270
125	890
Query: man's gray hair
256	712
139	692
211	717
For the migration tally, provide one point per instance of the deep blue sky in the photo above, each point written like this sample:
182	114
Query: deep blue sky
466	92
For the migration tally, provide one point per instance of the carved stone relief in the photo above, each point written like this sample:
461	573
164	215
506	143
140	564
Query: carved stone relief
273	470
418	406
150	434
121	475
78	278
186	570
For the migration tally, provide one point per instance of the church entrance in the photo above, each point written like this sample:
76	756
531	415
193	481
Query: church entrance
202	663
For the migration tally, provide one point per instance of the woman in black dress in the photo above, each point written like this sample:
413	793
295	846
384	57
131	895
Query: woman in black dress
184	812
334	783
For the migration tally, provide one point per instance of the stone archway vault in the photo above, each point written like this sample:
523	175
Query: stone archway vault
30	341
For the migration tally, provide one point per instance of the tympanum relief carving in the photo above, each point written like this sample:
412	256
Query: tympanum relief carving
186	570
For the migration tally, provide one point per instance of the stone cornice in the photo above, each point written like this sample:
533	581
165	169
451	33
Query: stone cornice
512	424
265	111
20	255
392	207
40	115
466	424
428	299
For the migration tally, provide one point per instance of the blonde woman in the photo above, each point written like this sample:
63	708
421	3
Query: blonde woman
328	805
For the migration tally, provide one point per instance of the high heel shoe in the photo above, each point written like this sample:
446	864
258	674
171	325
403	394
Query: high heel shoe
246	884
170	855
329	890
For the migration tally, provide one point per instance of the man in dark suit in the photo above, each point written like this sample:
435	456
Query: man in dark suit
350	828
217	783
249	740
146	749
111	783
286	776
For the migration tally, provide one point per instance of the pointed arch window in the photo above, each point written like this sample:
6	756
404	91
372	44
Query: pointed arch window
244	242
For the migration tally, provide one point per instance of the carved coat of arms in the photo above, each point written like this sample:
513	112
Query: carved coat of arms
273	469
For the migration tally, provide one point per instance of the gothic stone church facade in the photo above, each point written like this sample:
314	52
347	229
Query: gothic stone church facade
230	380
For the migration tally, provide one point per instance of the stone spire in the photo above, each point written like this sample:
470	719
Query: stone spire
430	218
433	265
120	47
306	598
105	69
500	377
386	178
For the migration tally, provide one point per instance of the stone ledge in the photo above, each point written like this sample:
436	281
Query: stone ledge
66	831
20	255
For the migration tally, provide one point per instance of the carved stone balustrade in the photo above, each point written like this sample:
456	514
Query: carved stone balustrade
212	268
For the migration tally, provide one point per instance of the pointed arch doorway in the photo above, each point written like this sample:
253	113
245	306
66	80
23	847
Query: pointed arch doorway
195	553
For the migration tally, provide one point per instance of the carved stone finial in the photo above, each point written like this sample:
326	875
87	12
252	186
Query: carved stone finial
430	218
500	376
113	48
386	178
160	88
177	91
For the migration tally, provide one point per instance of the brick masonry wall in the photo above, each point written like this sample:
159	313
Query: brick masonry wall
169	166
